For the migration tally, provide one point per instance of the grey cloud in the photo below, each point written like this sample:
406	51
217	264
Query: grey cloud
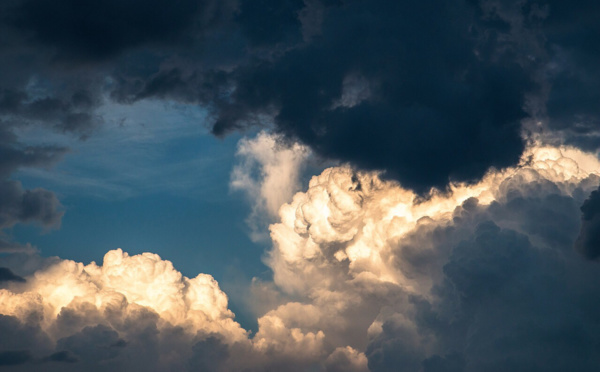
14	155
514	295
588	241
92	344
449	363
96	31
6	275
397	345
11	358
455	82
21	342
61	357
18	205
560	38
209	355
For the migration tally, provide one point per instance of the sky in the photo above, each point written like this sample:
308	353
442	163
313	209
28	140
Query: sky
308	185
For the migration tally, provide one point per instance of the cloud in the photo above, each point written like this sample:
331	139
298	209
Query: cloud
588	241
6	275
9	358
414	107
456	82
98	31
19	205
458	281
367	275
139	311
130	307
269	174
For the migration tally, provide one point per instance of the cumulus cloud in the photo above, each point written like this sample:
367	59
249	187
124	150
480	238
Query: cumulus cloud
367	275
457	281
269	174
130	307
139	312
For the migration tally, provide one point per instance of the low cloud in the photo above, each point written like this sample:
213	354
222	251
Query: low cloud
367	275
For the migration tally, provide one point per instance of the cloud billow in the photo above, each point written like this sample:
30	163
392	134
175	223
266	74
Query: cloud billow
367	276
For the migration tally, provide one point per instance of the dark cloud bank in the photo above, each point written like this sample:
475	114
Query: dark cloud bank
395	86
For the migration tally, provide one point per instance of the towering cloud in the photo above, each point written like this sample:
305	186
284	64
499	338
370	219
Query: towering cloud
484	278
367	275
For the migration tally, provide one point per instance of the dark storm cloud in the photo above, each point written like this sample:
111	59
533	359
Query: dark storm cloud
572	32
61	357
588	241
392	86
92	31
6	275
11	358
562	40
269	22
401	87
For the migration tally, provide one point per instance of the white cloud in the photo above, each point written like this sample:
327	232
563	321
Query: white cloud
269	174
366	275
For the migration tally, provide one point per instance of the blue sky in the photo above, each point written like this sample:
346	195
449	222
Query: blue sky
151	179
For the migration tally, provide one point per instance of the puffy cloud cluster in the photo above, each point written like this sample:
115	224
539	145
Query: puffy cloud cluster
139	312
136	307
481	277
367	275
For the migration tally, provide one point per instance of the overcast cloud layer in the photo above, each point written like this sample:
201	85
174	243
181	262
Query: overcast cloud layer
494	104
